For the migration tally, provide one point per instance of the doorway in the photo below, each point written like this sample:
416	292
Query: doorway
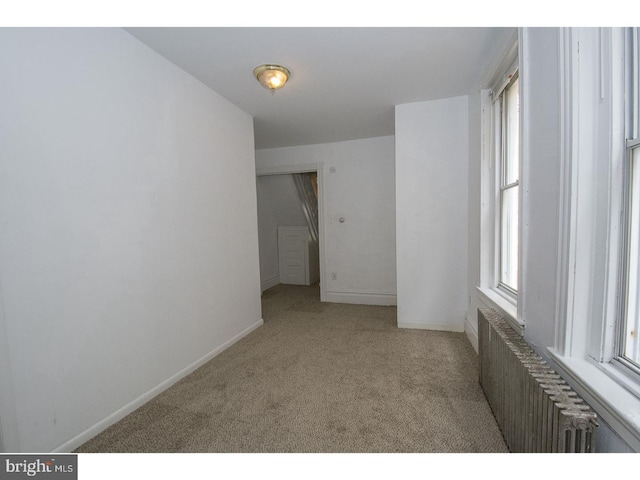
317	169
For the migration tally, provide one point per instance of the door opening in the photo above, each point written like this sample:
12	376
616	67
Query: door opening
267	228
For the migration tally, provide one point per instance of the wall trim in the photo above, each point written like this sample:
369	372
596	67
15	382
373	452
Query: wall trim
566	215
91	432
269	282
431	326
471	329
362	298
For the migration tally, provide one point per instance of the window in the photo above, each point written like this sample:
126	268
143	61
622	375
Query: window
506	158
509	175
596	343
628	351
501	193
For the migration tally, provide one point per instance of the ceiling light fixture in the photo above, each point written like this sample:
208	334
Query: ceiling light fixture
271	77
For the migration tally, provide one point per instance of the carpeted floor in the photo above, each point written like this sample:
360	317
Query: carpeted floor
320	377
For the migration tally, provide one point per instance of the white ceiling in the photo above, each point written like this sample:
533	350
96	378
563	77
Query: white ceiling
344	81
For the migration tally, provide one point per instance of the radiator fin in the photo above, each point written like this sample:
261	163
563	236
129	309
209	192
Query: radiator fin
536	410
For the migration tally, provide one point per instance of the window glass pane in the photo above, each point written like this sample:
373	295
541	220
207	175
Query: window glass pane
509	238
512	127
631	341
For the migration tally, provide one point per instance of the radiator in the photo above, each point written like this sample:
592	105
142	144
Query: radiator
534	407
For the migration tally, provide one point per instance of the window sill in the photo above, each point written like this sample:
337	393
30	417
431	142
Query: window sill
616	405
505	306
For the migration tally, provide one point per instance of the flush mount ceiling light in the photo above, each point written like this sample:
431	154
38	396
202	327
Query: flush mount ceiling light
271	77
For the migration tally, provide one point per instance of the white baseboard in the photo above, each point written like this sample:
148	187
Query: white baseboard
91	432
431	326
272	281
472	332
362	298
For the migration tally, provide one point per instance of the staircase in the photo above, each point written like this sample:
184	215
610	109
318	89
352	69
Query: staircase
306	185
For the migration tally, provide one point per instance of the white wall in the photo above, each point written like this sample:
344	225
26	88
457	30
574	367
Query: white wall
122	263
540	185
431	213
474	211
278	205
358	185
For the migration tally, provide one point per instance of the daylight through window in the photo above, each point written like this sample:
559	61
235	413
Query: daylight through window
509	104
629	351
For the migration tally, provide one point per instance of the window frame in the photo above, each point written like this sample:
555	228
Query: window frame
501	160
488	292
497	160
630	251
591	246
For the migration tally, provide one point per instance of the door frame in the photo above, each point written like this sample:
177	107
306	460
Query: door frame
307	168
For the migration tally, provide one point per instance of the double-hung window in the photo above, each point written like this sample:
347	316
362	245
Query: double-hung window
628	346
596	344
500	224
506	160
509	186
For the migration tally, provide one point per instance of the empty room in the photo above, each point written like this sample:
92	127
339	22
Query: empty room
319	240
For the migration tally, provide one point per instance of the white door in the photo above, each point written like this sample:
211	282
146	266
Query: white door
293	257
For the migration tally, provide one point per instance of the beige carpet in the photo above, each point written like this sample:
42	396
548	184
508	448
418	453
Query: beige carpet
320	377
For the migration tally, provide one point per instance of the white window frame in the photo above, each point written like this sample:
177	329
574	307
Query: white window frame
502	184
493	294
629	285
630	282
591	243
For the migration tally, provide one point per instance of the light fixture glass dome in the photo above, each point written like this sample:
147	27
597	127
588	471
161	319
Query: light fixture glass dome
271	77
